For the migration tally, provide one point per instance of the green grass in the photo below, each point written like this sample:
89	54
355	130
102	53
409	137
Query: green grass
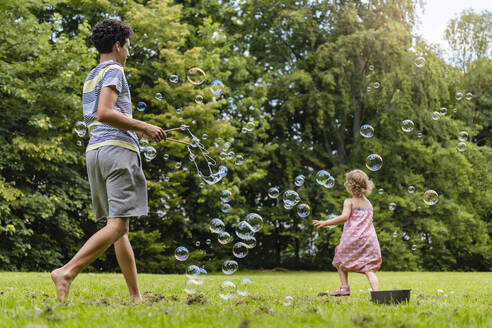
101	300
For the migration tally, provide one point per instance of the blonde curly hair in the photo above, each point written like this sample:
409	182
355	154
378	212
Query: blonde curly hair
357	183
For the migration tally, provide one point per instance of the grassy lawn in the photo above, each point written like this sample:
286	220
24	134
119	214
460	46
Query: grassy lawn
101	300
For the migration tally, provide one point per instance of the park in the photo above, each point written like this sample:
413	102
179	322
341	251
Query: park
237	154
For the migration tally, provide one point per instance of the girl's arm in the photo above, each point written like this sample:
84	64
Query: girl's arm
347	209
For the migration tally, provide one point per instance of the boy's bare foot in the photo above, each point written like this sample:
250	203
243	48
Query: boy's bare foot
62	283
136	299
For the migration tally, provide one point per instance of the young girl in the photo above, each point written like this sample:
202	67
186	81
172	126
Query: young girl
358	250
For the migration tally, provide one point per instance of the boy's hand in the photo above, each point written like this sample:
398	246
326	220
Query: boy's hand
154	133
319	224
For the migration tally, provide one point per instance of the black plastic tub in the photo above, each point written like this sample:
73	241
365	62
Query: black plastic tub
395	296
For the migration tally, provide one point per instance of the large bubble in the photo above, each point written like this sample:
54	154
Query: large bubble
229	267
303	210
240	250
325	179
255	221
196	75
80	129
407	125
227	290
299	181
431	197
463	136
149	153
216	225
420	62
461	146
216	87
224	208
244	287
141	106
291	198
225	196
366	130
374	162
273	192
181	253
224	237
244	230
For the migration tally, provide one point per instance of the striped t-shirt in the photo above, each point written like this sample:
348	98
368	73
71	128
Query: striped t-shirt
108	73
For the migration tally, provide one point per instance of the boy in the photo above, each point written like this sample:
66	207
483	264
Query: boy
118	185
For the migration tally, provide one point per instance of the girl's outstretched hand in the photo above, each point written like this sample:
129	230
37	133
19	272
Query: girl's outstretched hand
319	224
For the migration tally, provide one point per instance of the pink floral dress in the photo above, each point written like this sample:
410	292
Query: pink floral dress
358	250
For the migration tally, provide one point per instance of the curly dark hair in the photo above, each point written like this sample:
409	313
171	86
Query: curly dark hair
106	33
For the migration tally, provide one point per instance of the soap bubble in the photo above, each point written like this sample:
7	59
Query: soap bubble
197	244
79	143
192	271
468	96
414	247
371	67
227	290
165	156
181	253
224	237
459	96
239	160
273	192
443	110
217	87
374	162
420	62
141	106
250	126
407	125
431	197
196	76
392	206
291	198
244	230
411	189
463	136
178	165
149	153
376	85
255	221
204	136
173	78
190	287
367	131
240	250
419	135
299	181
288	300
158	96
288	206
380	191
223	171
244	287
230	155
250	242
325	179
303	210
435	116
225	196
199	99
461	146
229	267
208	241
225	208
80	129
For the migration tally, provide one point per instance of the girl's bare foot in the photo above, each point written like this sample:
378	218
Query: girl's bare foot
62	283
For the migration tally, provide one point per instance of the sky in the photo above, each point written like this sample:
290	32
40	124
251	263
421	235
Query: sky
438	13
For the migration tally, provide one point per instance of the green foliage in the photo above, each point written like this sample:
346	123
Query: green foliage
304	72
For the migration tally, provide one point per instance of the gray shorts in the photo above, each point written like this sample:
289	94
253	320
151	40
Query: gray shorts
117	181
